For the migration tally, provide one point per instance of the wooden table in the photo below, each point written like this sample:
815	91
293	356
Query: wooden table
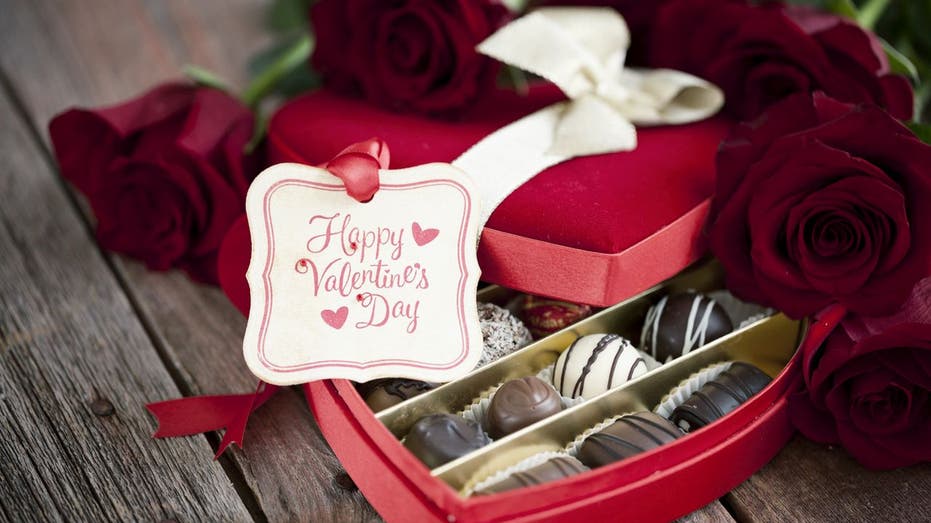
87	338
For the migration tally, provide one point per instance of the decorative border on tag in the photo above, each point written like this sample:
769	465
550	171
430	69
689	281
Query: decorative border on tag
270	257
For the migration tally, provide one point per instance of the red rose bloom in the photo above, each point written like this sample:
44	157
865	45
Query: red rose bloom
165	173
818	202
407	54
760	54
873	396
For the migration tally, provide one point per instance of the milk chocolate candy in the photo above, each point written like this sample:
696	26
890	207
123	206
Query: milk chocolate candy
720	396
626	437
596	363
440	438
555	468
680	323
519	403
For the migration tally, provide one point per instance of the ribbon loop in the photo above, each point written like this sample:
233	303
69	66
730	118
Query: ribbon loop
582	50
357	166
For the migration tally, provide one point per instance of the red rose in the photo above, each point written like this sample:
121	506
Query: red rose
760	54
407	54
818	202
871	396
165	173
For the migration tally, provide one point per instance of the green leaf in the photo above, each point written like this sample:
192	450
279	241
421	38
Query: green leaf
288	15
258	132
284	63
845	8
899	62
206	78
871	12
921	130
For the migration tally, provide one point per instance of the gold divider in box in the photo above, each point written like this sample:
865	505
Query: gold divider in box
625	318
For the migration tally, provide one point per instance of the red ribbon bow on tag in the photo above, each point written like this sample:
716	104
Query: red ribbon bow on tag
357	166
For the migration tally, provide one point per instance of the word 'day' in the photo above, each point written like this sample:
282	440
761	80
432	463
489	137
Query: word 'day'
343	289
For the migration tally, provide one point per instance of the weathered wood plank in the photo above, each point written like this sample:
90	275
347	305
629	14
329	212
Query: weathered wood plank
100	52
810	482
75	365
712	513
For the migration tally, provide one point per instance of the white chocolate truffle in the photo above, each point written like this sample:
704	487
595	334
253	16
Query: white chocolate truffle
596	363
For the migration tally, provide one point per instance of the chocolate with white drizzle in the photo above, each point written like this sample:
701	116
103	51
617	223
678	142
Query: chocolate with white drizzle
680	323
596	363
626	437
555	468
720	396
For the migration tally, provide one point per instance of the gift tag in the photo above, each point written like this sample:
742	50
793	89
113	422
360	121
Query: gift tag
343	289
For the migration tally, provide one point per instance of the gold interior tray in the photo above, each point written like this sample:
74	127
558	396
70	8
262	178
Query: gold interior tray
768	344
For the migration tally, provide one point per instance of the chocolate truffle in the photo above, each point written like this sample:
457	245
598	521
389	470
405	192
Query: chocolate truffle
680	323
519	403
440	438
719	396
502	332
557	467
544	316
384	393
629	435
596	363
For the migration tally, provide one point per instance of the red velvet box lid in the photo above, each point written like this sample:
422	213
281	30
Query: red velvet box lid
595	229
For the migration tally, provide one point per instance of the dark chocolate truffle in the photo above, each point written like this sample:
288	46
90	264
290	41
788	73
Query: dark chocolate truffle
720	396
552	469
629	435
680	323
440	438
519	403
596	363
384	393
544	316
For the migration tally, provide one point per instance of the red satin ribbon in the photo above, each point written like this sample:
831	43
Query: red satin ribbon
189	416
357	166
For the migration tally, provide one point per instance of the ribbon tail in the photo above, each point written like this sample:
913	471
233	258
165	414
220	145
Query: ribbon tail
236	431
666	96
510	156
592	126
189	416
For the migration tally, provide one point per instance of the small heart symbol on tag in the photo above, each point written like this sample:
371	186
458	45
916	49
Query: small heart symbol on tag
423	236
336	318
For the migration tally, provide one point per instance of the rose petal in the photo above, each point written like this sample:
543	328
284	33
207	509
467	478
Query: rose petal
814	423
868	452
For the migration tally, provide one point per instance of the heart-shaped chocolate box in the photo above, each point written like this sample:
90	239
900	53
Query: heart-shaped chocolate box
657	485
600	230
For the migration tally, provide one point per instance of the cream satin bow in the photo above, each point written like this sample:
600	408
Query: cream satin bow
582	50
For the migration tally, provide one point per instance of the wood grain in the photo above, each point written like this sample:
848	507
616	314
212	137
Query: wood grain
810	482
100	52
712	513
75	365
